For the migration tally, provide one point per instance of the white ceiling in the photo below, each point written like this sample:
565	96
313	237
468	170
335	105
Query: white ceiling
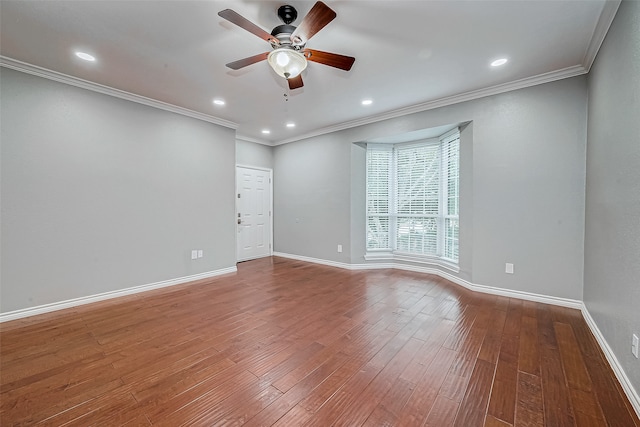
410	55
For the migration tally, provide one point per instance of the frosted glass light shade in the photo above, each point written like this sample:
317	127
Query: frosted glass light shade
288	63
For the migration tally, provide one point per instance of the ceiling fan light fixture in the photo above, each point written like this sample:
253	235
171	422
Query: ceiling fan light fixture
287	62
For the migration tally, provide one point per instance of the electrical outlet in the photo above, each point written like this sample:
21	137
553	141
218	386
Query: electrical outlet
194	254
339	248
634	345
508	268
200	253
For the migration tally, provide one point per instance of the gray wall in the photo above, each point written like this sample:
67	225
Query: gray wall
253	154
522	188
312	198
612	233
101	194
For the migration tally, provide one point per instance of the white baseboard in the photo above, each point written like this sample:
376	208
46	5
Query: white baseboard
529	296
546	299
46	308
625	382
315	260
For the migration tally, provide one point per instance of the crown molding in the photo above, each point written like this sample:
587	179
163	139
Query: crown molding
552	76
442	102
106	90
602	27
254	140
600	32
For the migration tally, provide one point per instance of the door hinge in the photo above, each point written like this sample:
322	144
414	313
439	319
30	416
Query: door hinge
238	195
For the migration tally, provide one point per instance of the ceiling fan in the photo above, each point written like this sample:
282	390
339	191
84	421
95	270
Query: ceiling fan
289	55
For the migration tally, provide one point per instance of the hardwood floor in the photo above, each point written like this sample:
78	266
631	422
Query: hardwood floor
288	343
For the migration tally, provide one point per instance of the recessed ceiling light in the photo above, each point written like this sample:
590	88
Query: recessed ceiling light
218	101
499	62
266	131
85	56
367	102
291	125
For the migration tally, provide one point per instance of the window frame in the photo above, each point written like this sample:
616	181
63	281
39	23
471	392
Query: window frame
443	215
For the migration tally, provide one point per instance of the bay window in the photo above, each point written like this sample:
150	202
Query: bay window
412	198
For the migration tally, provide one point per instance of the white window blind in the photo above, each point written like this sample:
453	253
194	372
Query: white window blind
417	199
412	197
378	198
451	159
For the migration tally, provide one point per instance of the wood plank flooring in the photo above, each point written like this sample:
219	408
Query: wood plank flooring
287	343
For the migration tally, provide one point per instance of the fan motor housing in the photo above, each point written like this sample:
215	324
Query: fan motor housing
283	33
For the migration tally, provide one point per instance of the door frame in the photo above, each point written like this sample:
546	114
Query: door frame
235	191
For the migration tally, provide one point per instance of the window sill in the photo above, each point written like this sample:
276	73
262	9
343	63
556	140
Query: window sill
417	259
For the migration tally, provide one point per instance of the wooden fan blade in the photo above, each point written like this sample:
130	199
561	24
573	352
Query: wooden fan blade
242	22
319	16
241	63
295	82
331	59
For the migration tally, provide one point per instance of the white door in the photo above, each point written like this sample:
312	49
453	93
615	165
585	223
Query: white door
253	213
